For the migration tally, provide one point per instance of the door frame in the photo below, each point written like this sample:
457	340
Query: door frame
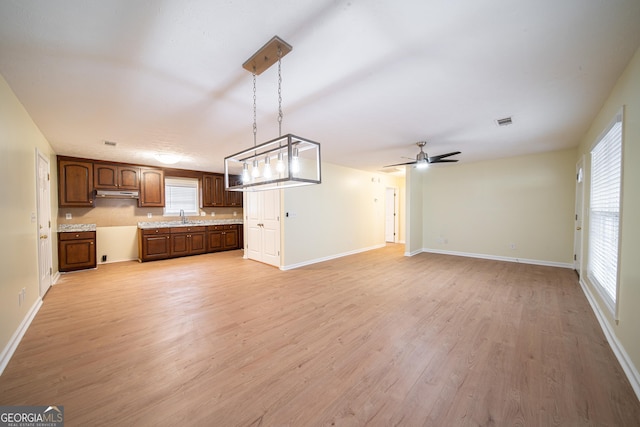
43	224
578	235
388	202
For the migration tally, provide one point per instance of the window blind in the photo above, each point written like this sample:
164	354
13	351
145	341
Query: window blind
604	209
181	194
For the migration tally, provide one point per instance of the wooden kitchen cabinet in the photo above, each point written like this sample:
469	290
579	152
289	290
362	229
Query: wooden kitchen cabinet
222	237
233	198
169	242
76	250
115	177
214	194
212	190
75	183
154	243
188	240
151	188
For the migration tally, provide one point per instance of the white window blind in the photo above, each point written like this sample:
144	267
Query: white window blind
604	212
181	194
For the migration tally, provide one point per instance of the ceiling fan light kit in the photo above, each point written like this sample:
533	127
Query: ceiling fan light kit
297	159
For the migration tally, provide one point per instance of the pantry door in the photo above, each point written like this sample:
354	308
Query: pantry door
263	226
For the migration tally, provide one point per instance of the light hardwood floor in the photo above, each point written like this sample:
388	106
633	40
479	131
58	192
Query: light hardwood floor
371	339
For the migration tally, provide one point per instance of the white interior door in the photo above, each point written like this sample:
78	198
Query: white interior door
254	230
390	217
44	222
271	227
263	226
577	233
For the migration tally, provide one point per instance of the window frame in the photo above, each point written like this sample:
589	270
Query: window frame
176	182
611	301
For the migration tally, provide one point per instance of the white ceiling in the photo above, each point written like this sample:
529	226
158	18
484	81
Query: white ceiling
366	78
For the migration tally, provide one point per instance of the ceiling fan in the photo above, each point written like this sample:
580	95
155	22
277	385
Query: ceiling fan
423	160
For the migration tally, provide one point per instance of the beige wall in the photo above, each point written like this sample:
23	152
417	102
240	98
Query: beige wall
342	215
19	138
484	208
625	93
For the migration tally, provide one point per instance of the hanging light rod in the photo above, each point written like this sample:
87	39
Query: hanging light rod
267	55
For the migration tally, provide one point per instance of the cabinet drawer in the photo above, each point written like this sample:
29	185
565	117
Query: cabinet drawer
223	227
194	229
77	236
150	231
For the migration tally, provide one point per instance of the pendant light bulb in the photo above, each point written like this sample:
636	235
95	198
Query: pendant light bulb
295	162
255	172
245	173
267	168
280	163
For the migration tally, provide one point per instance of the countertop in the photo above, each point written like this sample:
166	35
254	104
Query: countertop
75	228
190	223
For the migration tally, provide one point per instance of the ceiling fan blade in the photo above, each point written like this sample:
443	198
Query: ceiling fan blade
443	161
442	156
401	164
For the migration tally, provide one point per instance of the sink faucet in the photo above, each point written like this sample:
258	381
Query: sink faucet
184	218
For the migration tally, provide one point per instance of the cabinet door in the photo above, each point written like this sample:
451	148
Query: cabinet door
212	190
105	176
128	178
231	239
75	183
151	188
215	241
197	243
233	198
179	244
155	247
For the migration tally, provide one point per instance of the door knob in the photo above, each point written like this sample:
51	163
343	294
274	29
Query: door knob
578	228
44	236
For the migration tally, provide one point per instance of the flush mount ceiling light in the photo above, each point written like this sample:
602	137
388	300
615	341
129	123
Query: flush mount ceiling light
297	160
167	159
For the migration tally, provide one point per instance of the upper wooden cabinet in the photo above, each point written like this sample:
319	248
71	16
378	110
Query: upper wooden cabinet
214	194
75	183
115	177
212	190
151	188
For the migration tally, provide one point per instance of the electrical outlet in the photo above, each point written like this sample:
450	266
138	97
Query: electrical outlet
512	246
149	215
68	216
104	258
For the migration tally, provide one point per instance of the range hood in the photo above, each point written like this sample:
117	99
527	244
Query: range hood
117	194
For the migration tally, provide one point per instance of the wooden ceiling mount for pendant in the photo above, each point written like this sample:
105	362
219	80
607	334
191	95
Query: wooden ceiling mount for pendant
267	55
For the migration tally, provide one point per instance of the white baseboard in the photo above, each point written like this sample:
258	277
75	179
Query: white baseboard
625	361
11	346
330	257
419	251
499	258
55	278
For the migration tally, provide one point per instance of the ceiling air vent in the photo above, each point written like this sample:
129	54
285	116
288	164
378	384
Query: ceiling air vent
110	143
504	121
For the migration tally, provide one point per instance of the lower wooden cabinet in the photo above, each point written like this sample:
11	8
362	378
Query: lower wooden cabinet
170	242
222	237
76	250
188	240
154	243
